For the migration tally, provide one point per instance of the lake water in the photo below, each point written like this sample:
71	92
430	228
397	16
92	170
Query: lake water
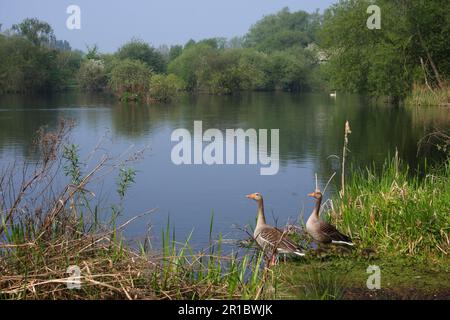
311	137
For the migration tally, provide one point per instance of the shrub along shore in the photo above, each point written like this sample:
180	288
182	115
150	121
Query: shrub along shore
49	233
405	61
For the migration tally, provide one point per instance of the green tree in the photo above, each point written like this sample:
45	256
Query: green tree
429	28
36	31
67	65
283	30
141	51
130	79
191	65
175	52
290	69
33	60
235	43
62	45
28	68
190	43
92	52
255	66
414	35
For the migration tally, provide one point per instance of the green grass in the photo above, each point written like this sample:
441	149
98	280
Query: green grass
344	277
396	212
227	276
399	222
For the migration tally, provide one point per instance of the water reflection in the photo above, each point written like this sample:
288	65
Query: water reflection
311	131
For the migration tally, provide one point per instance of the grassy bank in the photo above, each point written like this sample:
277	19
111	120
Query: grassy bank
396	212
398	221
424	96
343	277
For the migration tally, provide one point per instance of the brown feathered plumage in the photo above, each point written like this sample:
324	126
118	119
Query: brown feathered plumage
271	238
322	231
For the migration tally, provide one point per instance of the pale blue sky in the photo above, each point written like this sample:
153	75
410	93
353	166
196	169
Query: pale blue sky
109	23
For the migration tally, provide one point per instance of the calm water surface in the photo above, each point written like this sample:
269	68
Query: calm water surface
311	133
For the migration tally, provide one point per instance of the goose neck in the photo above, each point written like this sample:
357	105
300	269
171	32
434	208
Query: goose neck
261	217
317	207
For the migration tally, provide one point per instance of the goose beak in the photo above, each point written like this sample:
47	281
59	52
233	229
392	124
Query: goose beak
312	194
250	196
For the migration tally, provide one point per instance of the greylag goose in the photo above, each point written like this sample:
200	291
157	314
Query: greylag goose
322	231
270	238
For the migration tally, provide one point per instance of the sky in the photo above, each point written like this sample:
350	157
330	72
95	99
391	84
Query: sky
111	23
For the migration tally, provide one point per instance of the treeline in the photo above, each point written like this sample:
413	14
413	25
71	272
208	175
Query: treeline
278	53
136	72
289	51
31	59
409	53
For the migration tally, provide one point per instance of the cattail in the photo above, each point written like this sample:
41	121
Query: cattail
347	132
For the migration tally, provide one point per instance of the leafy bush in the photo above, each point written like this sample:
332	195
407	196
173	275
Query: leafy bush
164	88
130	79
91	75
206	66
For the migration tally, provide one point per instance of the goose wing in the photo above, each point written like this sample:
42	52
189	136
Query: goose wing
274	237
331	232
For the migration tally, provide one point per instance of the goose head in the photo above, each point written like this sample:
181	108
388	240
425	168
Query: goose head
255	196
316	195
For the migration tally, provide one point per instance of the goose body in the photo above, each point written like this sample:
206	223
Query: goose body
270	238
321	231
